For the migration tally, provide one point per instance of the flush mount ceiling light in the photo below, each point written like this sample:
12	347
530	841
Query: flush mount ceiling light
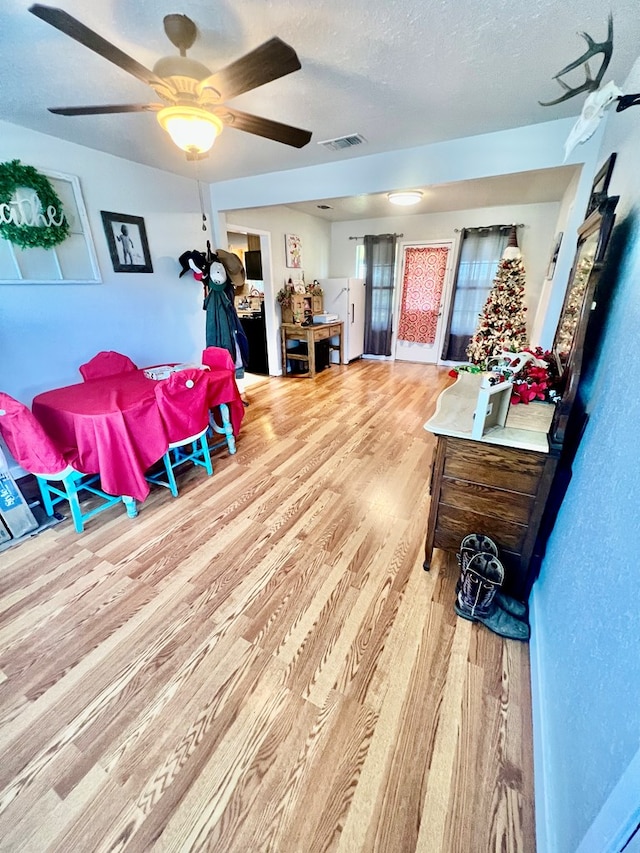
405	199
191	128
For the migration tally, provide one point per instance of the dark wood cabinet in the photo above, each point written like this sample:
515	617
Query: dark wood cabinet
509	483
492	489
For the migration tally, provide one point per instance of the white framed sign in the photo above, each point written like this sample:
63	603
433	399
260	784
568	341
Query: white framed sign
73	261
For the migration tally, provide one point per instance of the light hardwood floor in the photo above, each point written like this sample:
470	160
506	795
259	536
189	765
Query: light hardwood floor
262	664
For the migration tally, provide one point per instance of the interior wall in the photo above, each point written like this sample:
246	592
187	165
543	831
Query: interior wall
48	330
520	149
535	239
552	298
585	615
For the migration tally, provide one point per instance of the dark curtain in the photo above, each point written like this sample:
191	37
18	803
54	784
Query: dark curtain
480	253
380	259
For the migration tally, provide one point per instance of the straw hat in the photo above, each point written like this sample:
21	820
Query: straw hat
233	266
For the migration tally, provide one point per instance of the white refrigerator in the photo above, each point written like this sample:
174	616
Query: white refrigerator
345	297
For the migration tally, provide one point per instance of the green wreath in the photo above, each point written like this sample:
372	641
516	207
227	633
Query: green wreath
14	175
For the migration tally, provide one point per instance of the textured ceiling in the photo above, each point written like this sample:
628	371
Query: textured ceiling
402	74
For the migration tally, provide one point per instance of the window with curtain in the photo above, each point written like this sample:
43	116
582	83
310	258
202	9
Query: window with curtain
480	252
380	261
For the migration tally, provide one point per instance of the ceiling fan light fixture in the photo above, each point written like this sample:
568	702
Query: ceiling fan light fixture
405	199
192	129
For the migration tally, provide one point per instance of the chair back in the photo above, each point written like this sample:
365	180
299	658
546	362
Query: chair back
106	363
182	400
217	357
26	439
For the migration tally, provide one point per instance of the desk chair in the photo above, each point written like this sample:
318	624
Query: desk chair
182	400
32	448
106	363
219	421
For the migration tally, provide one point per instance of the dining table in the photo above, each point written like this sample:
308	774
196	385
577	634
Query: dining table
112	425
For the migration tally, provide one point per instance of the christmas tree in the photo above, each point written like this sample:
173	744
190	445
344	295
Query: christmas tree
502	323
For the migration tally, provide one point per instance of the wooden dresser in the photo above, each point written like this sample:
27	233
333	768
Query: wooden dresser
510	481
497	485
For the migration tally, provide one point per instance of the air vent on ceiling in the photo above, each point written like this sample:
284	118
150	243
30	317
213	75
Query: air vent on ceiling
343	142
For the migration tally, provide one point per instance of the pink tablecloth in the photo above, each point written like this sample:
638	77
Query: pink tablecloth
112	426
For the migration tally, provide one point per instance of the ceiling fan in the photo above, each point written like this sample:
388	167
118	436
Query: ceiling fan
192	109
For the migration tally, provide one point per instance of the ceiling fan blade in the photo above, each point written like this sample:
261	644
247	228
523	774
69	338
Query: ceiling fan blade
284	133
106	109
73	28
268	62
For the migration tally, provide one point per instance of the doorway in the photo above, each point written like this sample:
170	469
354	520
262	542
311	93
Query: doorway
425	285
264	323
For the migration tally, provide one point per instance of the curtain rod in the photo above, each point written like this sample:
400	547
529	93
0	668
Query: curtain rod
363	236
490	227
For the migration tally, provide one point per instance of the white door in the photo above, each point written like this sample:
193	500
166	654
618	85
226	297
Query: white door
425	273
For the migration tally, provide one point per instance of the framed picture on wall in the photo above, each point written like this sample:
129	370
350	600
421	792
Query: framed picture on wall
127	241
581	303
293	249
600	185
554	255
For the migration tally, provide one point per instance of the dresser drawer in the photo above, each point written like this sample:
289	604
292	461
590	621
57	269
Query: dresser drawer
453	524
477	498
335	330
321	334
493	465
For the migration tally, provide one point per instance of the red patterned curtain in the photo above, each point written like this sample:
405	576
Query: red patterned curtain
424	271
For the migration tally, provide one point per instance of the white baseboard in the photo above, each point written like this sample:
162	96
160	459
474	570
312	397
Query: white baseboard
540	740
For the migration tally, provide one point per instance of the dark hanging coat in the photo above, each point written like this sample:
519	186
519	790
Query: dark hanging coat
223	323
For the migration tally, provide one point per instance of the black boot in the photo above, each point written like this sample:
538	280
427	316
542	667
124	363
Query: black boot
480	543
476	599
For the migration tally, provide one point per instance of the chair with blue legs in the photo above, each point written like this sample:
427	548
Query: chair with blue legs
219	420
182	400
57	480
106	363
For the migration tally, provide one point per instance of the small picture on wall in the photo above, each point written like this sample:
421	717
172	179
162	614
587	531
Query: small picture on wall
127	241
293	248
600	185
554	256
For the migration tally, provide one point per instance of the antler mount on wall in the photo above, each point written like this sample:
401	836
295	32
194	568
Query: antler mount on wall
591	83
599	97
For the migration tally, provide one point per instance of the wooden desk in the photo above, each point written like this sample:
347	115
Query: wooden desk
309	335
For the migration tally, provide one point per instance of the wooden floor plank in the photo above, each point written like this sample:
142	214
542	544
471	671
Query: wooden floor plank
262	663
362	824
